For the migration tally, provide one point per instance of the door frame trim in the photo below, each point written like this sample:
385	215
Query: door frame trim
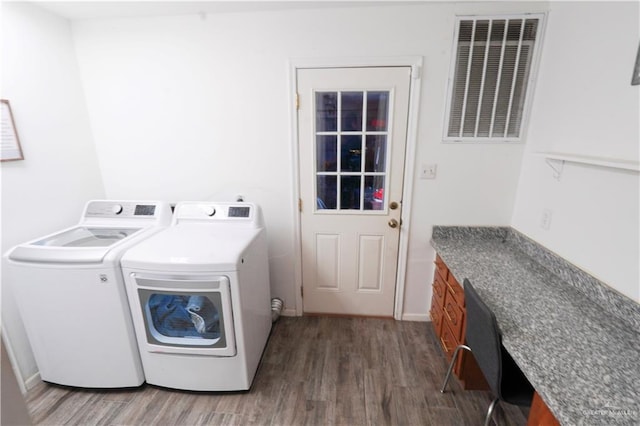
415	62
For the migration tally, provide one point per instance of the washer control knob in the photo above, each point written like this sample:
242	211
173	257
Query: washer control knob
116	209
210	210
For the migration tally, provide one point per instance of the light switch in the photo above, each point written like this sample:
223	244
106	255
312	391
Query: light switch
428	171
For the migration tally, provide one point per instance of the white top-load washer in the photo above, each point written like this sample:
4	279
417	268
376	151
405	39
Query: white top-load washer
71	295
200	297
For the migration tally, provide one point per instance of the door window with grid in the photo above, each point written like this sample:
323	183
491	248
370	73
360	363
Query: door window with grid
351	132
494	60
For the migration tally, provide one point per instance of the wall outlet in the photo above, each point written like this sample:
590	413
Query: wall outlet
545	220
428	171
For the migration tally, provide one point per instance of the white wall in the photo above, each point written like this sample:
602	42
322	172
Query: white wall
192	107
47	190
585	105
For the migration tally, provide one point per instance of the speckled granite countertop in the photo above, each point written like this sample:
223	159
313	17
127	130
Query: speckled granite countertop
578	344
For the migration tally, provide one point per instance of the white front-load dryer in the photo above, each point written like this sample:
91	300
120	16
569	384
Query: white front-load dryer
71	296
200	297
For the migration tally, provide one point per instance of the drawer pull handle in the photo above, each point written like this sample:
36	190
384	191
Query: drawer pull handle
453	292
446	312
438	290
452	319
444	345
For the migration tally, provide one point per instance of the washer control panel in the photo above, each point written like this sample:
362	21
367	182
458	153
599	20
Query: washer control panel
119	209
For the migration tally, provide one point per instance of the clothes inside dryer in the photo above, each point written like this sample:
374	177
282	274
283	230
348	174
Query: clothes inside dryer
190	318
182	316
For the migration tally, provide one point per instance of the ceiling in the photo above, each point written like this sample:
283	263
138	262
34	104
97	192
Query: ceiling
82	9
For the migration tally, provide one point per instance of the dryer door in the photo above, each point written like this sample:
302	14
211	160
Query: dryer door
186	315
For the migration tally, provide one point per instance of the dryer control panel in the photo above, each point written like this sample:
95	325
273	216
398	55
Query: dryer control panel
239	213
236	211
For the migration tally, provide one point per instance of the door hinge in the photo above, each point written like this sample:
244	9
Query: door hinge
301	291
297	101
300	205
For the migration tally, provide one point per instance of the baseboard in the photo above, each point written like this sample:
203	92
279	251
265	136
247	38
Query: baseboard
32	381
416	317
405	317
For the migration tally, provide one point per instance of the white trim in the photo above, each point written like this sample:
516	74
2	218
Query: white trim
289	313
415	62
407	197
416	317
295	170
359	62
6	341
32	381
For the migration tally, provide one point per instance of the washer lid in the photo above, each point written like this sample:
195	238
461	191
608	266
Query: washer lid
192	247
83	236
81	244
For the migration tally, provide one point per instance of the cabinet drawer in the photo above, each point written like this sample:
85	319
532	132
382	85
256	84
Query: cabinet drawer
447	340
454	315
439	289
436	317
455	289
442	268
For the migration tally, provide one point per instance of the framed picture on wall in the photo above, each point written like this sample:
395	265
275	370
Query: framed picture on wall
10	148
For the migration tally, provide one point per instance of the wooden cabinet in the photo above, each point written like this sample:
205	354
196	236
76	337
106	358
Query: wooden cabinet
539	414
448	318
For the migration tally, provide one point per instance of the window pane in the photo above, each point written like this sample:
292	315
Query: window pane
326	153
474	83
513	31
377	110
530	30
376	151
519	89
490	85
350	193
459	84
504	92
351	114
374	193
351	153
326	111
327	192
466	32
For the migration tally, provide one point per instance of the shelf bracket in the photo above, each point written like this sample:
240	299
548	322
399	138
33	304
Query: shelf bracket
557	166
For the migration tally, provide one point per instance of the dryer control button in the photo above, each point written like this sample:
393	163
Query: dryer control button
116	209
209	210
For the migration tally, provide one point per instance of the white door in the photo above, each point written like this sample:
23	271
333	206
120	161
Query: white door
352	125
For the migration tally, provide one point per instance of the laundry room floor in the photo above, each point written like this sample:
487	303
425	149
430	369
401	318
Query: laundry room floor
315	371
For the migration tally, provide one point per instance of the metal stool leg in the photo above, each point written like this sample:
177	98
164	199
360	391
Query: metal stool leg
492	407
452	363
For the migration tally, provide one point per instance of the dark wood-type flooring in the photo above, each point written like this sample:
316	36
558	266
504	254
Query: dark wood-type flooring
315	371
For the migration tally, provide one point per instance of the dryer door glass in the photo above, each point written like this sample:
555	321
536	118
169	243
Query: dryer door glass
184	316
184	313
